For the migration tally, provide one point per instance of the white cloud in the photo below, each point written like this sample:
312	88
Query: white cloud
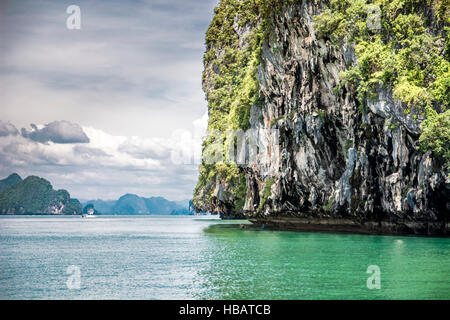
142	148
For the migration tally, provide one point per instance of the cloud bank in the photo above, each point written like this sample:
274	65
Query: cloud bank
92	164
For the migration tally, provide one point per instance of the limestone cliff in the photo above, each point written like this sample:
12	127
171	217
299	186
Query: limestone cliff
320	151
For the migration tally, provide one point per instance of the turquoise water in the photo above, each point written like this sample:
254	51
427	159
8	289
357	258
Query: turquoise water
160	257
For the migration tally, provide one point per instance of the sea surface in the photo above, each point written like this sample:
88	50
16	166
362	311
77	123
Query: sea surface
179	257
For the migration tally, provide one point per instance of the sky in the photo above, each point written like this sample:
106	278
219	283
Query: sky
113	107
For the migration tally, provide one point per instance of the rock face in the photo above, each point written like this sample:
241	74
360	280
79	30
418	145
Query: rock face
320	162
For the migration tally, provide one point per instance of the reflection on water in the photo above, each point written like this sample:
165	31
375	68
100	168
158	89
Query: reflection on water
164	257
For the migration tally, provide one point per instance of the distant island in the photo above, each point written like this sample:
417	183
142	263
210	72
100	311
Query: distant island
134	204
35	195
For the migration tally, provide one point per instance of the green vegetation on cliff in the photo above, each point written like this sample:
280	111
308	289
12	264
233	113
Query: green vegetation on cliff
231	85
403	45
36	195
232	59
230	71
233	68
266	192
436	134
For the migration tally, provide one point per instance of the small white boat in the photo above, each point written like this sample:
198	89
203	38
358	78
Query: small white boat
87	215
